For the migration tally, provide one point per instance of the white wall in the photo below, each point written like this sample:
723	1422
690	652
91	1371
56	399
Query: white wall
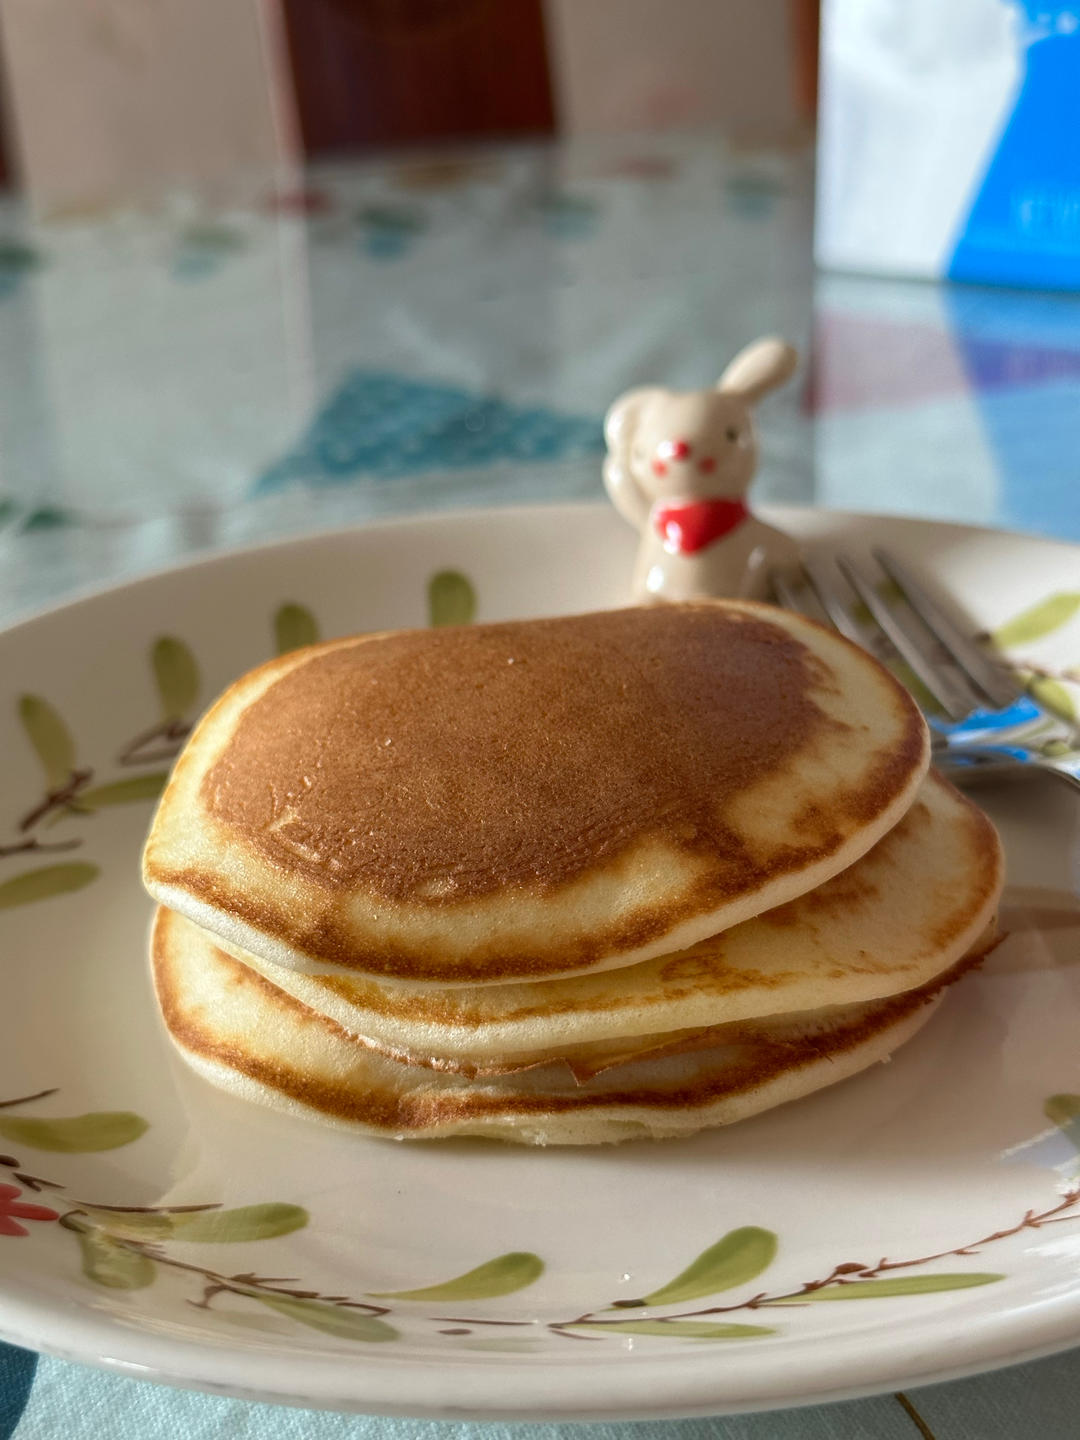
674	64
114	100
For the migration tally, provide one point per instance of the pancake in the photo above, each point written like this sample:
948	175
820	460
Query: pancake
905	912
250	1038
532	799
588	1059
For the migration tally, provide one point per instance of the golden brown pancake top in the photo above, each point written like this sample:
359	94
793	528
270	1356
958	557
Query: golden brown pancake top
442	765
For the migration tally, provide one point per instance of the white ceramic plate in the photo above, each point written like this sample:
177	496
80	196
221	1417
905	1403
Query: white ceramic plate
956	1164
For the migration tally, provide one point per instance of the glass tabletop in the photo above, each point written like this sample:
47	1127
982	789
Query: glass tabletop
402	335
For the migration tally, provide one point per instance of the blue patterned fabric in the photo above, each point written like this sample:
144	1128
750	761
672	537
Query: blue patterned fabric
17	1369
386	426
69	1402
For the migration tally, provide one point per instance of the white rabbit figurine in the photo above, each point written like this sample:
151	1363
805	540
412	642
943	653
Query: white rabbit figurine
678	467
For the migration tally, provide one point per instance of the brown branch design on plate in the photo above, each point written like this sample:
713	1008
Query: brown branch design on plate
69	792
123	1247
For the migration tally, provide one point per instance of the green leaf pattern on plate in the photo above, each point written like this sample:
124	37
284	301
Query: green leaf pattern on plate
210	1226
106	1263
74	1134
501	1276
247	1222
43	884
50	738
675	1329
1037	621
1062	1109
176	675
736	1259
451	599
1053	696
1064	1112
345	1323
294	627
895	1285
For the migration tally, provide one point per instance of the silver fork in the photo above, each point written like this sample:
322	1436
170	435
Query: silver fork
983	723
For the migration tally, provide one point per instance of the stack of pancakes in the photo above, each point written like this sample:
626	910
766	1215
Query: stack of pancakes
561	881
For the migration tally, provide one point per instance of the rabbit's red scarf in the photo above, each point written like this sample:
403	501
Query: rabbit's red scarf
687	528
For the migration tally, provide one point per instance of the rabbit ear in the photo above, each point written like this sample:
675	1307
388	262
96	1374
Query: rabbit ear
619	426
758	368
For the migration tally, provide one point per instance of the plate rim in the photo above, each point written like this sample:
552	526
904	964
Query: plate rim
466	516
616	1392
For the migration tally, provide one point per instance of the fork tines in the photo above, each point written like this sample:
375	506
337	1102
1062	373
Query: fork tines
900	619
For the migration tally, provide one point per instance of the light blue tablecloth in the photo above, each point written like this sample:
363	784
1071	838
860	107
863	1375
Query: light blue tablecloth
406	337
62	1400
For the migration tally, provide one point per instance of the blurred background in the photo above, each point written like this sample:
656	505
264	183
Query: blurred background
271	265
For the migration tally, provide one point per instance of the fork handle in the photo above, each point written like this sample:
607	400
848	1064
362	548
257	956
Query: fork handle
976	765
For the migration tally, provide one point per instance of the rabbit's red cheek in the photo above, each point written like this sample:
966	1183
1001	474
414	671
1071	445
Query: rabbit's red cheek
659	468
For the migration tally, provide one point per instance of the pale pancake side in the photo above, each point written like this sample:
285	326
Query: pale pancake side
592	1058
906	911
248	1037
529	800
